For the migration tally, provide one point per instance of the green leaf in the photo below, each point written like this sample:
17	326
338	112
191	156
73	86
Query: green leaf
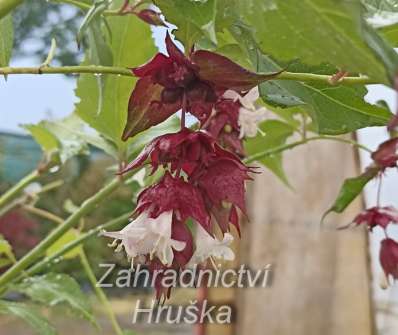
29	315
68	237
193	18
350	189
6	40
334	109
341	109
275	134
6	249
71	127
59	137
315	31
52	289
131	45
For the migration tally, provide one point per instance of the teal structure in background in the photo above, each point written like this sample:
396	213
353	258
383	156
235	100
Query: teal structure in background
19	155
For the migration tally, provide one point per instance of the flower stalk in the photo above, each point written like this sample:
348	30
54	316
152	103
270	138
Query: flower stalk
99	292
289	146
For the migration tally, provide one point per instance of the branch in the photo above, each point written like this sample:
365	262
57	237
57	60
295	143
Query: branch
289	146
19	187
73	244
100	293
97	69
43	214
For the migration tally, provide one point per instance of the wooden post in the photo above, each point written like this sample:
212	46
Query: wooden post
321	281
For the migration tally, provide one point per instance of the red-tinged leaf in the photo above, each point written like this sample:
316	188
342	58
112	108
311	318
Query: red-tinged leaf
154	65
223	72
151	17
145	108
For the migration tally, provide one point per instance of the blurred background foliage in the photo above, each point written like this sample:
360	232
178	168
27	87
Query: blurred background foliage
35	25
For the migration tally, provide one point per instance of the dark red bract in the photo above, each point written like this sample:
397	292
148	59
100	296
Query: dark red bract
377	216
185	150
222	183
389	257
174	194
169	83
223	125
387	154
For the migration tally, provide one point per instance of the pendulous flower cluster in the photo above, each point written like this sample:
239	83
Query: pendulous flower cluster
386	156
203	187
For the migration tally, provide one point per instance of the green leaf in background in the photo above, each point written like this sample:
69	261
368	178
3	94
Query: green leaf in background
315	31
383	15
131	45
275	134
192	17
52	289
29	314
93	14
6	249
59	137
382	49
68	237
6	40
71	127
350	189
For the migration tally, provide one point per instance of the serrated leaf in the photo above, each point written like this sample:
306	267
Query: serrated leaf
57	137
285	30
29	314
75	128
350	189
131	46
274	134
334	109
6	40
66	238
193	18
52	289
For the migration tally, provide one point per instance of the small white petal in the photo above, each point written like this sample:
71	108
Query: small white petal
230	94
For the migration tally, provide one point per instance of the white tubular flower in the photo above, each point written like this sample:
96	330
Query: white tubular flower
209	247
250	115
146	235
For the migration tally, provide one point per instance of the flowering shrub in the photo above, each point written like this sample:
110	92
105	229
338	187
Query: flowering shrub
255	80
